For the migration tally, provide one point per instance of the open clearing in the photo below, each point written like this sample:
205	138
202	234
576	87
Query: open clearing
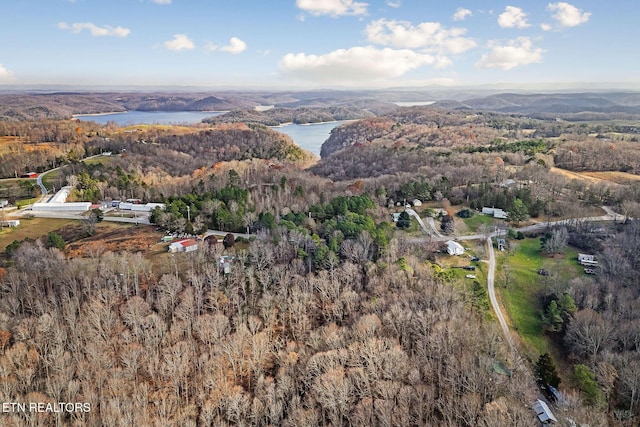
608	177
31	228
116	238
622	178
521	294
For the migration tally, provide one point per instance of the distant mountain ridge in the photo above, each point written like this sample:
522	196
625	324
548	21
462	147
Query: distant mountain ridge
63	105
544	104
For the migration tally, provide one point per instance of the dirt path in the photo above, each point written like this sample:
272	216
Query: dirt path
492	294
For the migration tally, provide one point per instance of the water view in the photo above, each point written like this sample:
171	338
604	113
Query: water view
308	137
150	117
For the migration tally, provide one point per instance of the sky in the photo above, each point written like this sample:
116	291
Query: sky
315	44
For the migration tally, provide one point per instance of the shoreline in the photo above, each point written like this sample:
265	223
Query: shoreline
311	124
141	111
75	116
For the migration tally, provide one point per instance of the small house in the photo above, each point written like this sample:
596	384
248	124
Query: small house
417	202
185	245
3	203
454	248
587	260
10	223
29	175
502	244
494	212
395	216
543	412
225	263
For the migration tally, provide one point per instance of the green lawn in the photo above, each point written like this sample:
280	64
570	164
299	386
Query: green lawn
474	223
30	228
51	179
521	297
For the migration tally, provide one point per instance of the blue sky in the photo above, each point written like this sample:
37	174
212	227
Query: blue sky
319	43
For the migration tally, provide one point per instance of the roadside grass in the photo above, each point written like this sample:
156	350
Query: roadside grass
522	296
477	220
50	178
24	202
17	187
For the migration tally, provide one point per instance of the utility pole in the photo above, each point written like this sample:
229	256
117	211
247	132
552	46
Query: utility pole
188	213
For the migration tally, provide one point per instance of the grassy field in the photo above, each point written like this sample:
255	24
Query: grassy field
105	160
522	295
450	267
31	228
613	178
52	179
616	177
477	220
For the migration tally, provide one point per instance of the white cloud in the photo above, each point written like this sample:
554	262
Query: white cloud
430	36
357	65
210	46
393	3
5	74
567	14
162	1
95	30
546	27
235	46
517	52
179	42
333	7
461	14
513	17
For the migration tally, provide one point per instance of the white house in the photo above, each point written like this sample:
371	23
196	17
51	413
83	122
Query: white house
417	202
185	245
10	223
136	207
454	248
544	413
495	212
587	260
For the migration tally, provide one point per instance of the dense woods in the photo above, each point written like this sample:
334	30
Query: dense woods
278	116
330	314
266	345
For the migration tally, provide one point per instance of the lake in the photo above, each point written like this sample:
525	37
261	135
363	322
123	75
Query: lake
149	117
308	137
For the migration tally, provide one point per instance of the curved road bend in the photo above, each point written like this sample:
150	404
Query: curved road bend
43	189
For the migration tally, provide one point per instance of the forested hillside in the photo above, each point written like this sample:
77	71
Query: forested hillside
279	116
325	311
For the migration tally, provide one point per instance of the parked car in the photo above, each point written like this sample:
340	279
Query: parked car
470	267
475	258
470	276
543	272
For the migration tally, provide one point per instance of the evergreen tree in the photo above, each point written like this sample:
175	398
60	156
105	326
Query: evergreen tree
546	370
553	317
518	211
54	240
404	221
